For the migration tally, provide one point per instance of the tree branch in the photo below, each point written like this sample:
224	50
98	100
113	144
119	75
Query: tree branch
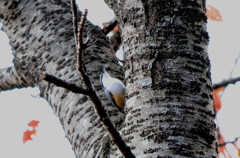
80	65
109	26
116	137
75	20
61	83
226	82
90	91
230	142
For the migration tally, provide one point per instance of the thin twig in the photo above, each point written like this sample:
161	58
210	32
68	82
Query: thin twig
117	139
109	26
90	91
226	82
80	65
75	19
61	83
230	142
235	64
110	127
87	43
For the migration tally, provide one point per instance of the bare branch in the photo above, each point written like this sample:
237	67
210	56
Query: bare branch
80	65
117	139
226	82
230	142
87	43
110	127
75	19
109	26
90	91
61	83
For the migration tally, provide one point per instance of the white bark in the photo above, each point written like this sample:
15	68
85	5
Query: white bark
169	101
169	109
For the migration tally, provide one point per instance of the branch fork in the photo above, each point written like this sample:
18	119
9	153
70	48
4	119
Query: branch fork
89	91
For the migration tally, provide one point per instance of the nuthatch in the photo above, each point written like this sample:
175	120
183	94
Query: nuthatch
114	89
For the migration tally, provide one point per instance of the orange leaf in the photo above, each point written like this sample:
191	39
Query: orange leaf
213	14
28	135
217	101
33	123
220	89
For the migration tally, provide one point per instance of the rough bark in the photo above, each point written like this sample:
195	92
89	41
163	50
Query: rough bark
167	72
42	40
169	109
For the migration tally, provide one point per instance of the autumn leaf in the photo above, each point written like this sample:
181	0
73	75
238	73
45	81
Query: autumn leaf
217	99
27	135
213	13
33	123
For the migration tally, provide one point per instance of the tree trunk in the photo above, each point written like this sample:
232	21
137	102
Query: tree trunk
169	109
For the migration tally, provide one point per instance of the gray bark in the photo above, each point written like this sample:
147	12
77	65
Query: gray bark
41	37
169	110
167	73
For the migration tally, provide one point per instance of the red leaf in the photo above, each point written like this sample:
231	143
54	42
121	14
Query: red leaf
33	123
217	99
27	135
213	14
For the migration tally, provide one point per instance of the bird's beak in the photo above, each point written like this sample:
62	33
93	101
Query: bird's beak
103	69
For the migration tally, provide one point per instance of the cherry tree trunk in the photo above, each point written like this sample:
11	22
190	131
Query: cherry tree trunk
169	109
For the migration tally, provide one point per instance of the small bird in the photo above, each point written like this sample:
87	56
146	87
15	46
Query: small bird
114	89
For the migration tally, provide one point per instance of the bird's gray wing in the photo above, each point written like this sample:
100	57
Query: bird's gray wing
109	95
